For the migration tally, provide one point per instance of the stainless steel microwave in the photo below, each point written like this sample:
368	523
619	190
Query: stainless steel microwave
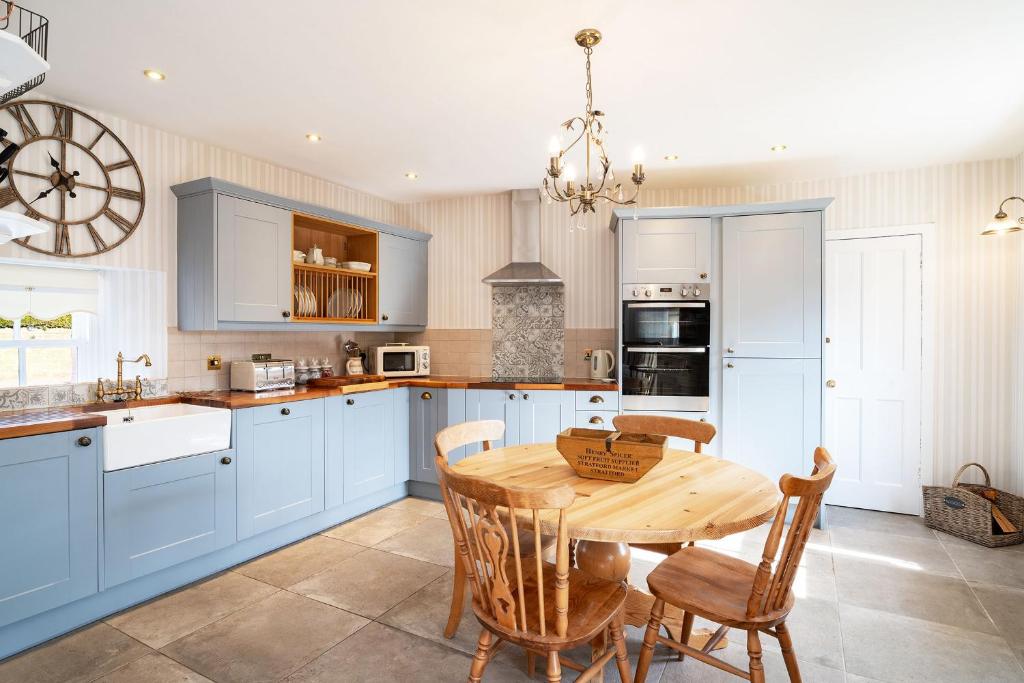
400	360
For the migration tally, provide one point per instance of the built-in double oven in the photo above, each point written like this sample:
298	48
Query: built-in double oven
666	348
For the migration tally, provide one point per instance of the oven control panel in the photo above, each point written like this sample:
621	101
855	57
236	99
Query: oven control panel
695	290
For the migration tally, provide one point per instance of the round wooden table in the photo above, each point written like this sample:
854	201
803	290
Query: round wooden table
686	497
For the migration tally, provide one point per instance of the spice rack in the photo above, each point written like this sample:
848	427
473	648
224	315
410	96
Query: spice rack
326	294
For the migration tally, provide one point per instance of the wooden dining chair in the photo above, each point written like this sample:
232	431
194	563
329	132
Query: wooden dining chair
446	441
700	433
737	594
545	609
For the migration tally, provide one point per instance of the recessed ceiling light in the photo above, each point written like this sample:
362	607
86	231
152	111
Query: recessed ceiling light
154	75
314	137
412	175
779	148
671	157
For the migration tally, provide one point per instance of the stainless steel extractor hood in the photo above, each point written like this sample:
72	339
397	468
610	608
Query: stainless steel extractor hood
526	268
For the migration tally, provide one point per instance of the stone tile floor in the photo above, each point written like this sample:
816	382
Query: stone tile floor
880	598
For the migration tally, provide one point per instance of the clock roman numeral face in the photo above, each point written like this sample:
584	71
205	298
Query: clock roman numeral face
67	170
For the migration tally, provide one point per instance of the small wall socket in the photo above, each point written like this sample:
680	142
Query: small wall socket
587	353
213	362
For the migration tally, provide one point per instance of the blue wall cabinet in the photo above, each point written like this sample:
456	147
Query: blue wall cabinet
280	458
403	281
49	534
159	515
254	275
368	434
543	414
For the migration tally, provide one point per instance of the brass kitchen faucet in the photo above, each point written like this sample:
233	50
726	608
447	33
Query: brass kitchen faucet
119	392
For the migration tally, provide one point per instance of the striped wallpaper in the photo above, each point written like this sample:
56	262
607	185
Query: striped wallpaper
979	370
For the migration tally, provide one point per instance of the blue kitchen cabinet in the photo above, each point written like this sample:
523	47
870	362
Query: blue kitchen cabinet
543	414
280	464
494	404
49	536
156	516
403	281
402	434
368	438
430	411
531	416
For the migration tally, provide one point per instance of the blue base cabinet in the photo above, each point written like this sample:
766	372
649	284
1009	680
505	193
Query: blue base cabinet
160	515
368	443
430	411
280	455
529	416
49	536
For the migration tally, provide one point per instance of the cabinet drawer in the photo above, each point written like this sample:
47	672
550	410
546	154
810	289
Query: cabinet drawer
597	400
159	515
283	411
595	419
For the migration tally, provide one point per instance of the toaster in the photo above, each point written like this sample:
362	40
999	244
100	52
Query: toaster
262	375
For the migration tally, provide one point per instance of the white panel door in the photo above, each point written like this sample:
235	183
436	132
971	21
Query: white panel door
873	359
771	414
771	285
254	264
666	250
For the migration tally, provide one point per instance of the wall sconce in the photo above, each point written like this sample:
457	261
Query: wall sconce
1002	224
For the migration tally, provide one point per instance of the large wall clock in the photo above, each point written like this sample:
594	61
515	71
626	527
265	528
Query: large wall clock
71	172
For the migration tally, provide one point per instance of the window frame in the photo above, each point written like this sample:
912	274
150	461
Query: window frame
79	330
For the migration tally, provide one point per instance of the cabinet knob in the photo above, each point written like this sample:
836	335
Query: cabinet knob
730	350
511	397
384	316
596	399
286	314
84	441
351	402
526	397
286	411
225	460
729	365
597	420
831	384
426	396
703	276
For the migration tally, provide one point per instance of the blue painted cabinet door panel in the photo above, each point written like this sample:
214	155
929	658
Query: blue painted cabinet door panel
402	427
543	414
403	281
494	404
280	451
369	438
424	422
159	515
49	526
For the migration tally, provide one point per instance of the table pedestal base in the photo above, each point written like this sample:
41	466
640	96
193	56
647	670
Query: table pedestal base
611	561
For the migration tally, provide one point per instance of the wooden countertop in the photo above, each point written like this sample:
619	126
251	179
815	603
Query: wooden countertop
15	423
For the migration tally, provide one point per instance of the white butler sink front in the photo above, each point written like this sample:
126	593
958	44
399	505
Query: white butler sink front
140	436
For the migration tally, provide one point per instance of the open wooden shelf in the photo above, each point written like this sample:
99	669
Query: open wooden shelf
334	295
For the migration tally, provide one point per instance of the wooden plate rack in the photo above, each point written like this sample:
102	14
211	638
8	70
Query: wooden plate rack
328	294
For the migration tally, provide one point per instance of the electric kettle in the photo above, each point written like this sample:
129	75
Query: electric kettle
602	362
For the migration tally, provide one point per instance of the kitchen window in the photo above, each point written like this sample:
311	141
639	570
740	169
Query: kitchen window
45	318
34	351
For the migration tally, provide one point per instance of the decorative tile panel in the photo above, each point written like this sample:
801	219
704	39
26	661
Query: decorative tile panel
528	337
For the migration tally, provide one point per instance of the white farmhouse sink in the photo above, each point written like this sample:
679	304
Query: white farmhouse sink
140	436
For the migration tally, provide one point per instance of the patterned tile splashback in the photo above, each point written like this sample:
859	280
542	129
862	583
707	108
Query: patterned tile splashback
53	395
528	331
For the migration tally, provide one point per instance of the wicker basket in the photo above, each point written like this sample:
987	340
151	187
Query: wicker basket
960	510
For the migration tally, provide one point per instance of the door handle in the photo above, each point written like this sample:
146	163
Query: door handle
384	316
511	397
730	350
526	397
286	411
426	396
596	399
225	460
350	402
729	365
596	420
84	441
286	314
831	384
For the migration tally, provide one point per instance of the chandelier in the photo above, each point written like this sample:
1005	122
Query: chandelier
560	182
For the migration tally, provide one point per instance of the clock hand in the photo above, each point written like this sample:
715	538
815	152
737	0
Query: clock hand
43	195
54	162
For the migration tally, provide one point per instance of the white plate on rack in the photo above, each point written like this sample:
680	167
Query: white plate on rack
345	303
356	265
305	301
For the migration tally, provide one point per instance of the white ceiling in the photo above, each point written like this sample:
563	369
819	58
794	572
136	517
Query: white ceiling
468	93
